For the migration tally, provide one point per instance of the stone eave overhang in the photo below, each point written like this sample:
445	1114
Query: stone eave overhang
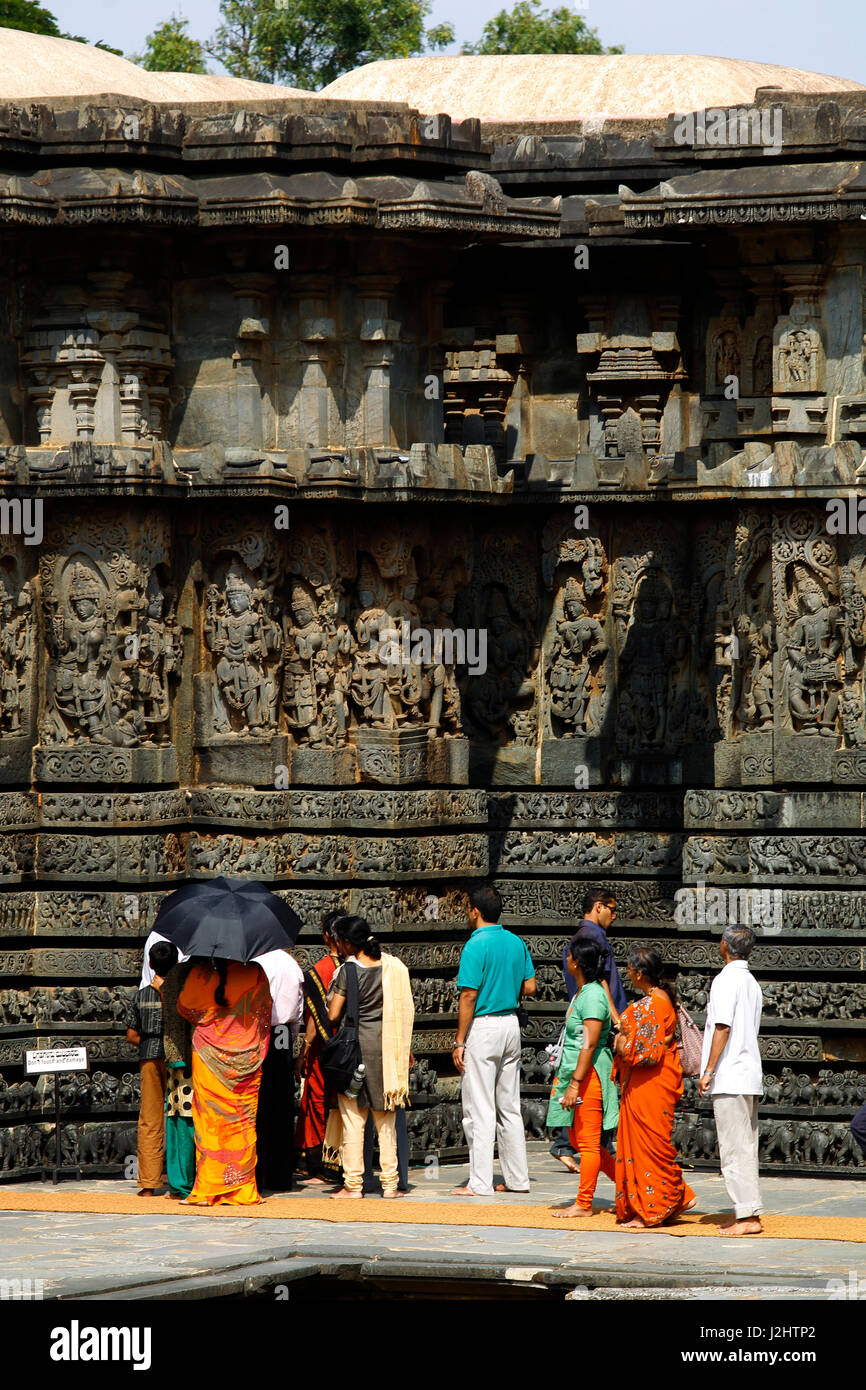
428	473
582	153
821	192
116	129
70	196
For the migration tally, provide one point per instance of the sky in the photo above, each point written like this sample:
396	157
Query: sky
827	37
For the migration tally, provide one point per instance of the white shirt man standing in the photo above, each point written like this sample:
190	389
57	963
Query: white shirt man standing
732	1075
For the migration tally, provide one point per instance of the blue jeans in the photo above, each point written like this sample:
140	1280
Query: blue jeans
561	1143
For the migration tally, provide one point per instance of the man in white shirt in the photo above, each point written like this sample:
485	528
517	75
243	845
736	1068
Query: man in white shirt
732	1074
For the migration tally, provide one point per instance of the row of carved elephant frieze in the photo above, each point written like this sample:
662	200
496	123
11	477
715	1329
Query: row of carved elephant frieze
438	1127
807	1143
80	1090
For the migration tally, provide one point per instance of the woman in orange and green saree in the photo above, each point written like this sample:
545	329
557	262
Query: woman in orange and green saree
230	1006
649	1182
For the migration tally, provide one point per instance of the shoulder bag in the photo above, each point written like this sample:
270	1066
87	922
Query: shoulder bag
690	1043
341	1054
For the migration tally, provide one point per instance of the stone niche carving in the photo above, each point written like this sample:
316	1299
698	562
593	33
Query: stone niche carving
114	651
501	705
404	649
17	665
477	390
798	352
577	660
97	364
335	658
633	361
238	698
650	608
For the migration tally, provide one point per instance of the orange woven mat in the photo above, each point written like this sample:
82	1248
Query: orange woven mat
462	1211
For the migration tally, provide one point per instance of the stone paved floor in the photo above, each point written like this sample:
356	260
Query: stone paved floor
157	1255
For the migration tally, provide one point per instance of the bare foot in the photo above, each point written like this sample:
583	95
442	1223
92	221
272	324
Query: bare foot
389	1195
344	1192
146	1191
745	1226
572	1211
567	1161
634	1225
316	1182
465	1191
690	1205
500	1187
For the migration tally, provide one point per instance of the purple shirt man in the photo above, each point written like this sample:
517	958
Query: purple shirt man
597	916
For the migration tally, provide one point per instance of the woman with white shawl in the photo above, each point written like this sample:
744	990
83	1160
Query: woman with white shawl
386	1013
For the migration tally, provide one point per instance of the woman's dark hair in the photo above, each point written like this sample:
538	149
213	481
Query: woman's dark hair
589	956
163	957
222	969
329	921
355	931
648	962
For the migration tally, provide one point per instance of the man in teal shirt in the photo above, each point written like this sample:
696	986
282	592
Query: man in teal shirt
495	973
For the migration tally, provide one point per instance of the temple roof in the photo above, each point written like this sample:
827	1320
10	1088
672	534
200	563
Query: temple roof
565	87
34	65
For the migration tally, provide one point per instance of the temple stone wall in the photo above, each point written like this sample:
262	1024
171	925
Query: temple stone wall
439	552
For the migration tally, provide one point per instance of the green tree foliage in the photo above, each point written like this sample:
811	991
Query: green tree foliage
170	49
30	16
309	43
527	28
33	18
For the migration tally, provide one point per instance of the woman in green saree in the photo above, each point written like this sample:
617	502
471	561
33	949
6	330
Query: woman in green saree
583	1095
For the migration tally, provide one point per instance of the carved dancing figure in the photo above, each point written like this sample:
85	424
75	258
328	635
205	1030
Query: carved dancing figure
578	647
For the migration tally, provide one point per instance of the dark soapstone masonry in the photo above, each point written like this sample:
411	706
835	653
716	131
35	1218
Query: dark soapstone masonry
280	382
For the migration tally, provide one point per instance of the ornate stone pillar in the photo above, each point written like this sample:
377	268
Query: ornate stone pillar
378	333
316	340
251	290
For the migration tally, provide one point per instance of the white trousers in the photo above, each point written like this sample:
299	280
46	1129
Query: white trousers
737	1128
490	1093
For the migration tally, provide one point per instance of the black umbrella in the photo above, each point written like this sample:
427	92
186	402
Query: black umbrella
228	918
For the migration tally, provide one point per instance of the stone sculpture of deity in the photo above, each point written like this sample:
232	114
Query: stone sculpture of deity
15	643
247	645
576	655
812	646
157	653
89	696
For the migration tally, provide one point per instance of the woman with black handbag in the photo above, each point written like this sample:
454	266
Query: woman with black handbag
374	991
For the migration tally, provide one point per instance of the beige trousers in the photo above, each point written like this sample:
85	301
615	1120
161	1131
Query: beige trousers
737	1129
354	1119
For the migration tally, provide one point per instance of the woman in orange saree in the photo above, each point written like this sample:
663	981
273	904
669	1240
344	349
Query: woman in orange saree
649	1182
230	1006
